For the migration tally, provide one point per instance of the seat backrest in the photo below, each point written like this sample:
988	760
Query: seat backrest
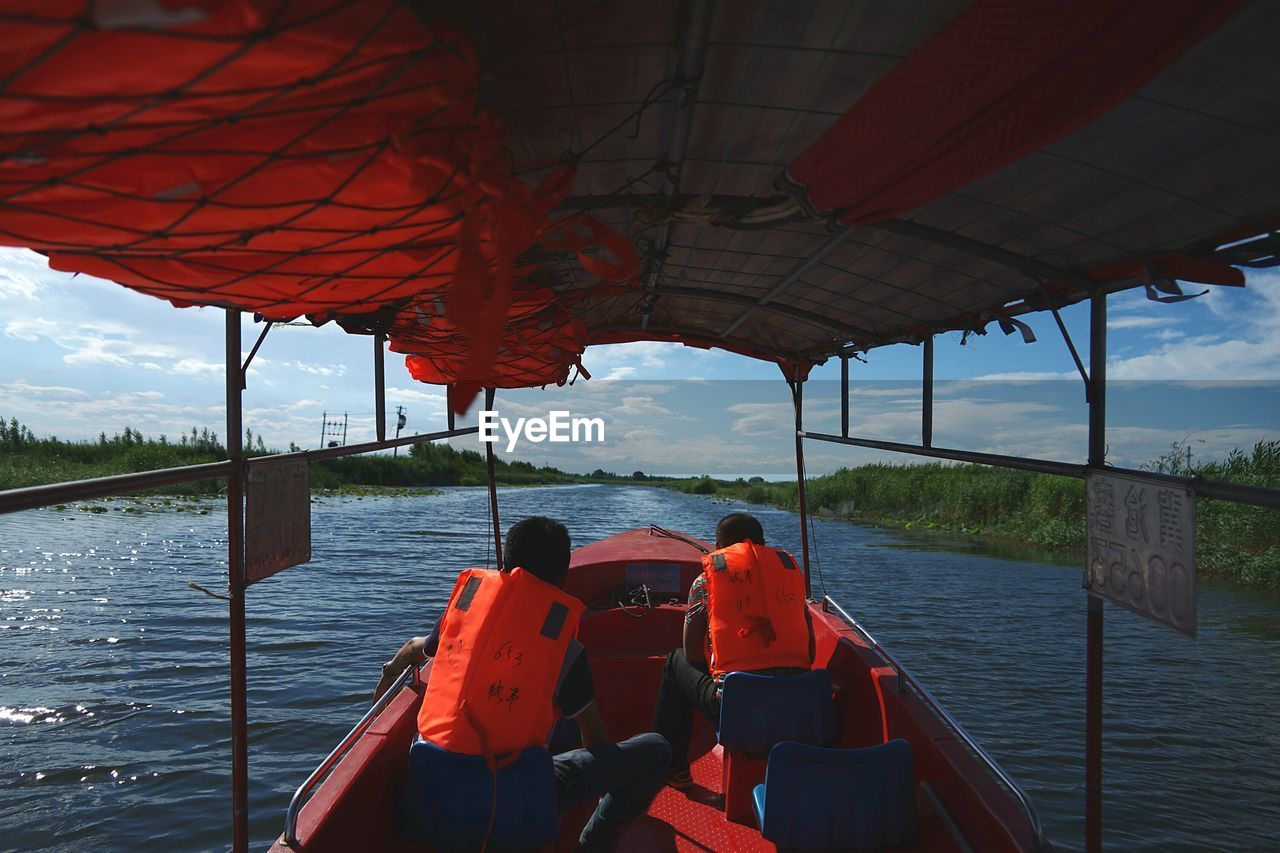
758	711
819	799
450	797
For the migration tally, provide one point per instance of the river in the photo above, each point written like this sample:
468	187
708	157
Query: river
114	721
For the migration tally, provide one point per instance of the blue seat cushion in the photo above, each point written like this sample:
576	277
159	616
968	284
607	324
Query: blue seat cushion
758	711
449	799
819	799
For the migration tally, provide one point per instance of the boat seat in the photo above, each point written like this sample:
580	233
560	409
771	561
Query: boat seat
450	799
820	799
759	711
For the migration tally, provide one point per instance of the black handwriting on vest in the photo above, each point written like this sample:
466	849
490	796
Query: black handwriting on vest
505	652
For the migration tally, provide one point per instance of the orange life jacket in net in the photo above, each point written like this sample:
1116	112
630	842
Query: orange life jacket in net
502	645
756	609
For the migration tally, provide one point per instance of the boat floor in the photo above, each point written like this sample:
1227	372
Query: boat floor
692	819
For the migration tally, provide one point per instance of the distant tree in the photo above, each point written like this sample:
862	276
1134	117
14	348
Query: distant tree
639	475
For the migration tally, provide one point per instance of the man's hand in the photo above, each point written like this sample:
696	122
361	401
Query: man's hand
410	654
592	728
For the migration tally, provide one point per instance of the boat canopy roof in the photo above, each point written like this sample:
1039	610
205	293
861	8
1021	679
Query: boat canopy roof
497	186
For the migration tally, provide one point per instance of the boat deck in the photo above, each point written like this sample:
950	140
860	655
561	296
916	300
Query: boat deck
692	819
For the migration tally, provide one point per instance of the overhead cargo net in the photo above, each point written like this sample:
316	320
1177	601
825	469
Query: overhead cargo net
283	158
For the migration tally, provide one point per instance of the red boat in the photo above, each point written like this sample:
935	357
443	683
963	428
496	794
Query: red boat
491	189
964	801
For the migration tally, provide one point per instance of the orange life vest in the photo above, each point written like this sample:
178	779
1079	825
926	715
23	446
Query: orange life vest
756	609
502	645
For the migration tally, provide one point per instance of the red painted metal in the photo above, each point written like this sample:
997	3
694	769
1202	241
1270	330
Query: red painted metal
355	808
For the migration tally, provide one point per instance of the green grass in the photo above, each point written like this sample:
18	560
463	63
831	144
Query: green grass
1234	542
27	460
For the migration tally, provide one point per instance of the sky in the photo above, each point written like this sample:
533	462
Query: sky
79	356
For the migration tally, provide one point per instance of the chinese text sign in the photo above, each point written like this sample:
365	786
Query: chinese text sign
1141	546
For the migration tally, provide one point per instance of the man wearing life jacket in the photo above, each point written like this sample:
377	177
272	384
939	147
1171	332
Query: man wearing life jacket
747	613
507	659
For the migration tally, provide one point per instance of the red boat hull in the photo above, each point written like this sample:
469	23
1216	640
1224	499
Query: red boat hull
960	804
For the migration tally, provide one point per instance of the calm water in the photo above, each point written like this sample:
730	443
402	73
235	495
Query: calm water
114	728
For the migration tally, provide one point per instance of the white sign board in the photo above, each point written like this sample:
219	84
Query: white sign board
1141	546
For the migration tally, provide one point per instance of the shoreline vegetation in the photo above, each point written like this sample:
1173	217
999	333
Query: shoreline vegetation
1235	543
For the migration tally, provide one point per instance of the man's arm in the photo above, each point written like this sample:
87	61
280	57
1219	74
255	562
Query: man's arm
410	654
813	644
696	625
592	728
695	639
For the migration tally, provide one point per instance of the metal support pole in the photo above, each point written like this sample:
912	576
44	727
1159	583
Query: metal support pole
379	389
448	407
844	396
1093	652
797	399
926	395
235	589
493	487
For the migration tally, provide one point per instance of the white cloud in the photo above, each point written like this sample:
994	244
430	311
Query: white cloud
194	367
328	370
1139	322
30	330
19	274
1024	376
640	406
97	343
760	419
638	360
413	395
22	389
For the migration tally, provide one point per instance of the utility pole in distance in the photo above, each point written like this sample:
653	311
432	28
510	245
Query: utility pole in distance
400	422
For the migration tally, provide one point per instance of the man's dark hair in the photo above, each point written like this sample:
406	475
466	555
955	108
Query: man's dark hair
539	545
738	527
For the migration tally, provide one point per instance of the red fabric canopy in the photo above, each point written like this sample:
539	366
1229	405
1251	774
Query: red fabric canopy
332	158
541	343
1003	79
286	158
